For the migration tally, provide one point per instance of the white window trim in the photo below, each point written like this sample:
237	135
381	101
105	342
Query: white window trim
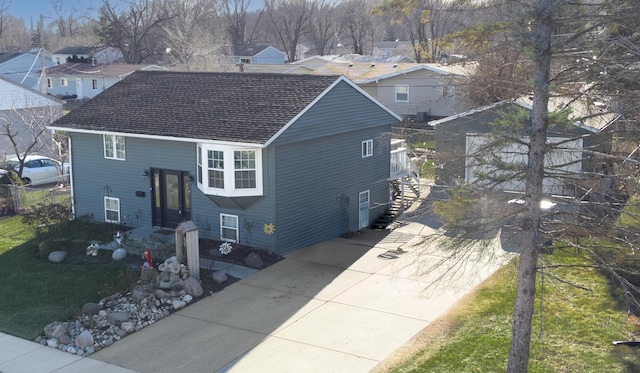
64	82
367	148
94	86
49	82
106	218
236	228
230	189
114	139
396	92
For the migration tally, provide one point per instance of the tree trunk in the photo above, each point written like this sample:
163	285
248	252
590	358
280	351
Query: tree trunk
525	292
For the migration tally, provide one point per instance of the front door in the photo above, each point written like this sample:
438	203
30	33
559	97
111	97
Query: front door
171	197
363	209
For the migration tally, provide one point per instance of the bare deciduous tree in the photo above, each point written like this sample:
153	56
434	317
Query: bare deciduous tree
188	32
135	30
323	25
23	127
290	21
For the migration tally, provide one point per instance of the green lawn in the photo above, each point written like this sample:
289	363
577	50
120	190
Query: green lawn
573	331
36	292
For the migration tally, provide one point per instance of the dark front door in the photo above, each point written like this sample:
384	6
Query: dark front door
171	197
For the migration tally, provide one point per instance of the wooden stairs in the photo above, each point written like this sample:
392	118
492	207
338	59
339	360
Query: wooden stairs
399	203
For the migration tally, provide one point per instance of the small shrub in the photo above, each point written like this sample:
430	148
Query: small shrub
124	282
10	178
41	217
44	249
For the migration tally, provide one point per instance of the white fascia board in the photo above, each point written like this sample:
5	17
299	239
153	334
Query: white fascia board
467	113
405	71
155	137
341	78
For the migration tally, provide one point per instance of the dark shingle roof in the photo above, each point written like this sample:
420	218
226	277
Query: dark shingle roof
236	107
76	50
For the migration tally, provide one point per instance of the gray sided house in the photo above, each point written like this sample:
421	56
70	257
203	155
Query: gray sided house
24	68
266	160
460	141
24	115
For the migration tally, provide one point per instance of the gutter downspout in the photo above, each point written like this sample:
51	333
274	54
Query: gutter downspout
73	204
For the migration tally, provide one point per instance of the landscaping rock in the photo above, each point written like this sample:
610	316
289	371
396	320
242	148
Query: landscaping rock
55	329
91	308
57	256
219	277
254	260
117	318
138	294
84	339
53	342
193	287
65	339
128	327
119	254
160	294
178	304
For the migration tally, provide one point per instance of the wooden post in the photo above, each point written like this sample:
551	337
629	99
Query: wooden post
187	244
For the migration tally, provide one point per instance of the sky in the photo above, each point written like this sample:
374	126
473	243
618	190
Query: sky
26	9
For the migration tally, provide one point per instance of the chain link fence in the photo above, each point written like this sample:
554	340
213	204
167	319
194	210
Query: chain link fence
16	199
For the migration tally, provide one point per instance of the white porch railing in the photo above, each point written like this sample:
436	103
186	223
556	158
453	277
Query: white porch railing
400	163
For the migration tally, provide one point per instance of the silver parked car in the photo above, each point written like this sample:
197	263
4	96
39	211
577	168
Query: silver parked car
37	170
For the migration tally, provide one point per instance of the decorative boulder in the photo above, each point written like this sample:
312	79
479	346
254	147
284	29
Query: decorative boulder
117	318
55	329
219	277
91	308
178	304
84	339
57	256
119	254
192	286
254	260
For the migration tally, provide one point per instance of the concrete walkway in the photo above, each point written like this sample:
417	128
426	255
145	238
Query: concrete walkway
339	306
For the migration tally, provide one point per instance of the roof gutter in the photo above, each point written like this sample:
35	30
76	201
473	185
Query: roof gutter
156	137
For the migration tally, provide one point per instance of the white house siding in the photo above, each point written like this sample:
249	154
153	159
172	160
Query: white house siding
564	161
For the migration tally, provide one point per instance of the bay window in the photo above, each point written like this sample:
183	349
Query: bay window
229	171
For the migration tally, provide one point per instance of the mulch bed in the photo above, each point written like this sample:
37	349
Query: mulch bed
209	249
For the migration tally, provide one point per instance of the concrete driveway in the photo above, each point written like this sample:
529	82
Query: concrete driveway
339	306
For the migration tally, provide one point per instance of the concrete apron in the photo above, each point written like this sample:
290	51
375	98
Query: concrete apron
340	306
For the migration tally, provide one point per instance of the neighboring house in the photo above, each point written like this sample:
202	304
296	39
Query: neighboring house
316	61
419	92
24	68
393	48
461	155
25	113
267	160
258	54
86	80
270	68
105	55
399	58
